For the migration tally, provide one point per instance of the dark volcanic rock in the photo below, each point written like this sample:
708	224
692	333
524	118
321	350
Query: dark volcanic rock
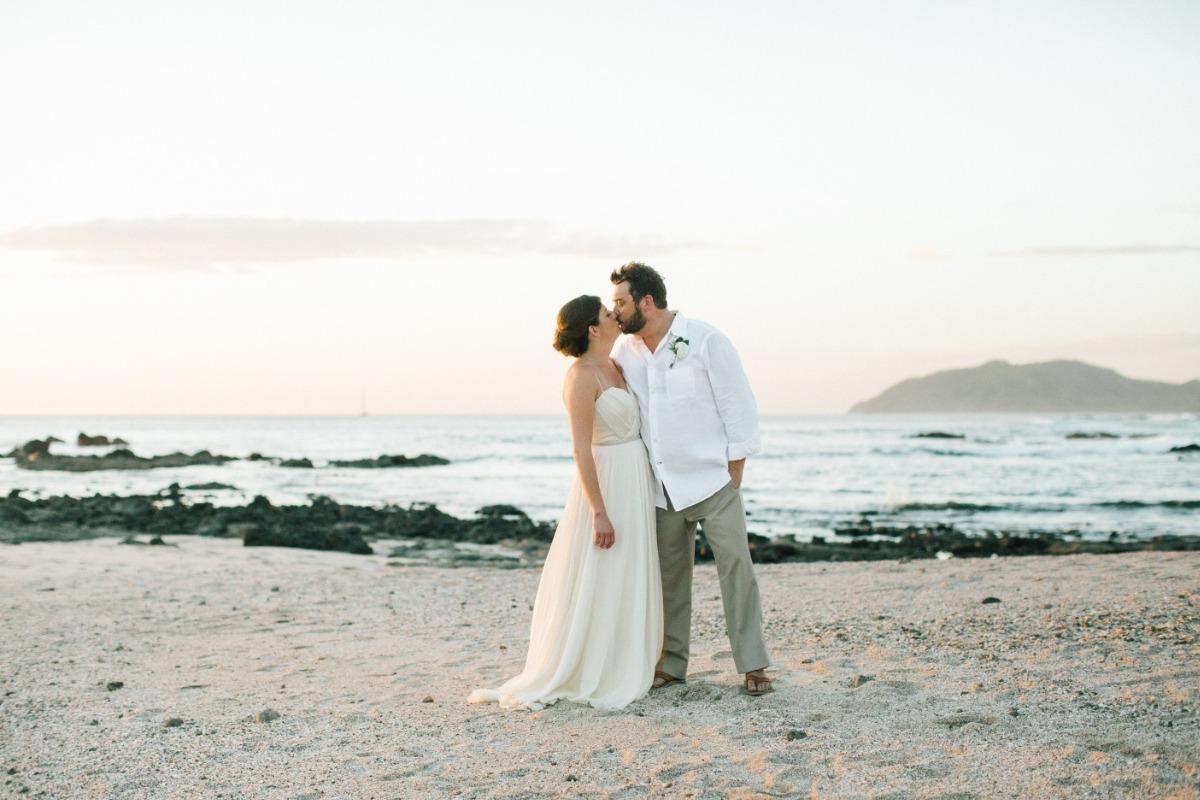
346	541
32	450
208	487
31	447
1092	435
322	524
912	541
299	463
1187	448
423	460
327	524
10	514
98	441
937	435
36	455
501	511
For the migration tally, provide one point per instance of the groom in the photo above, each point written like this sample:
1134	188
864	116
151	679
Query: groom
699	422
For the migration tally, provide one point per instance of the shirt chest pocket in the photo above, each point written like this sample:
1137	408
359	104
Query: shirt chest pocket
681	383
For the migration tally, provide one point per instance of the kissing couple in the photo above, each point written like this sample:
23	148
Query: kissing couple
662	419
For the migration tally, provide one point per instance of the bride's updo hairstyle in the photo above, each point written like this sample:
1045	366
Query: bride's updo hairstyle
571	332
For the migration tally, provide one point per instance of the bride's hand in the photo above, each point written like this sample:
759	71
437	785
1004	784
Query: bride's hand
605	535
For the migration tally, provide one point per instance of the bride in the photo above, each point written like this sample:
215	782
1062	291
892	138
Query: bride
597	624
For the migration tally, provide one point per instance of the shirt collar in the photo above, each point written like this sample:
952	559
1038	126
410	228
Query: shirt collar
678	327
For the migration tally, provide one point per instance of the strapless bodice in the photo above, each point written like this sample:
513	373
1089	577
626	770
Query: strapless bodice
617	417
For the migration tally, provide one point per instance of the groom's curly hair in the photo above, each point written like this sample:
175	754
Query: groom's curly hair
643	280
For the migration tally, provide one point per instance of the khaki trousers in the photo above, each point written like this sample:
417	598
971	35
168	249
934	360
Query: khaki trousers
724	520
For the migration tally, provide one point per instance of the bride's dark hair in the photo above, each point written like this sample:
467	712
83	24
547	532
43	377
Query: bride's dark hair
574	318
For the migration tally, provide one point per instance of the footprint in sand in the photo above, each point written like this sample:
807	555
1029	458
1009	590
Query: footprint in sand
953	721
678	771
697	692
460	662
899	687
791	756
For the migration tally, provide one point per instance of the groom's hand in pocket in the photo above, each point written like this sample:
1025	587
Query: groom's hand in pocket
735	472
605	535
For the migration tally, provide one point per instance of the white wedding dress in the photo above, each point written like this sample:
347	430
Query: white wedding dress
597	624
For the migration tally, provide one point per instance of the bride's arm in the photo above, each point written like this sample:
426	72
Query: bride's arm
580	399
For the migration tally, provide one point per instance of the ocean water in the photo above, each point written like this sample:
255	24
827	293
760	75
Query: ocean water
1011	472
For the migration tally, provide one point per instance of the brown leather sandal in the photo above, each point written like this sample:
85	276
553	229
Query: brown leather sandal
761	683
662	679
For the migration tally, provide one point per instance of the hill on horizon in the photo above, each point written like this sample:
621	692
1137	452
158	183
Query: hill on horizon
1049	386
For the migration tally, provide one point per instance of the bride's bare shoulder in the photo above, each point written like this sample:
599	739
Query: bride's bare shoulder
579	376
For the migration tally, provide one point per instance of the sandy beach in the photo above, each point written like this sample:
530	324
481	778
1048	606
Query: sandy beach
208	669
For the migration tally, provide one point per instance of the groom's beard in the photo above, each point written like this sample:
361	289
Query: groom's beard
636	322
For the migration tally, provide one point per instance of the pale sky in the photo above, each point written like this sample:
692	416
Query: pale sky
271	207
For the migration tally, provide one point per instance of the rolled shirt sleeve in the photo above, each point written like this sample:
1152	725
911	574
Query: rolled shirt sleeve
734	398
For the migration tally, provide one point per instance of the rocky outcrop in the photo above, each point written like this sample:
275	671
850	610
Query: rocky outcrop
99	441
36	455
385	461
322	524
297	463
32	450
917	542
346	541
492	536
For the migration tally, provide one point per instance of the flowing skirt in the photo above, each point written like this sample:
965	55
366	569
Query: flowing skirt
597	624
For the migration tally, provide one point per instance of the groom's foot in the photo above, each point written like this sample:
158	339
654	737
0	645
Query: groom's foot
662	679
757	683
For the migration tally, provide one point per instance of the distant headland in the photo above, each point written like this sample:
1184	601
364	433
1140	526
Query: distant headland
1051	386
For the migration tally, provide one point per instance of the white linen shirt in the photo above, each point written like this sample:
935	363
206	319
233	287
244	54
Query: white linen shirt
698	412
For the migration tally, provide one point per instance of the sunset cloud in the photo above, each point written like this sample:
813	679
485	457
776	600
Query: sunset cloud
206	243
1112	250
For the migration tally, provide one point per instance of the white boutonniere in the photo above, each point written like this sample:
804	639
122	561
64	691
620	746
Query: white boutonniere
678	348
